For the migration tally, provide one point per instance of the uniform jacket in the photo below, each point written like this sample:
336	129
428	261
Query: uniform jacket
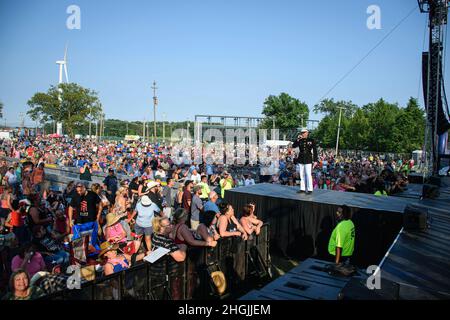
307	151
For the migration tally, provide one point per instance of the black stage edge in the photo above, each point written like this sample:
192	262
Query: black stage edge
301	224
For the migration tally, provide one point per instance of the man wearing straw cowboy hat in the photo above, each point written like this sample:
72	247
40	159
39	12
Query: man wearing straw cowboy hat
305	158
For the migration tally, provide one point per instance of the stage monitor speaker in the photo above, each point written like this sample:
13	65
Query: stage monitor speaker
436	181
415	218
430	191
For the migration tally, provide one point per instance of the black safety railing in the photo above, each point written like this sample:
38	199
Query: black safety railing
249	260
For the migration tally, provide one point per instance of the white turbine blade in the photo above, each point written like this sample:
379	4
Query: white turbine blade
65	54
65	71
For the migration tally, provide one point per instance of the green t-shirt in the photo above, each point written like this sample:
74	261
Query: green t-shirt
205	190
343	236
379	194
225	184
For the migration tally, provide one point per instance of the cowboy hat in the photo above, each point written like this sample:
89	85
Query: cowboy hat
107	246
146	201
152	184
112	218
304	130
219	281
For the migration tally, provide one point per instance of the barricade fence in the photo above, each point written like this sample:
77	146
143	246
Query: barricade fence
243	263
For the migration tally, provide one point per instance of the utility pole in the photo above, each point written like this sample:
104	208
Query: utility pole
96	129
127	127
143	130
339	129
90	121
164	127
103	125
155	103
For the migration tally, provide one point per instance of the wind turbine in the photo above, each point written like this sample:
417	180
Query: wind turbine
62	64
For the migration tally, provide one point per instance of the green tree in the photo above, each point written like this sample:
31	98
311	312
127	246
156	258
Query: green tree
382	119
326	132
356	133
70	104
285	111
409	128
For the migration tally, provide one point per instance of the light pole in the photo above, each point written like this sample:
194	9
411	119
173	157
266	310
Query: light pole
155	103
339	129
301	118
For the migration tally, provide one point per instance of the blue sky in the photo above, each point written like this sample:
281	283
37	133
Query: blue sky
208	56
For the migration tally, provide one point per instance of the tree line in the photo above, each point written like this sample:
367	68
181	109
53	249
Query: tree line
380	126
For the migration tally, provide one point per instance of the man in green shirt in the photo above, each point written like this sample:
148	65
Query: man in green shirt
226	183
342	241
205	188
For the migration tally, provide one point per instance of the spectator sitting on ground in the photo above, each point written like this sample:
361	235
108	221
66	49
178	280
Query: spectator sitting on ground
249	221
227	223
20	288
207	229
181	234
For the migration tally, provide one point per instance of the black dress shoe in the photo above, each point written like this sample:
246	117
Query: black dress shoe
308	192
300	191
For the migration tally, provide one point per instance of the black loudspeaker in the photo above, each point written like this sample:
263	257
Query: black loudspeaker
430	191
415	218
436	181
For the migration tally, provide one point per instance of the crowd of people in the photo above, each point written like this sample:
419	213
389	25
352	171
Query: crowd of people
145	201
126	219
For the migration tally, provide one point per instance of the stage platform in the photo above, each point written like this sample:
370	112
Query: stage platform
301	224
422	259
414	265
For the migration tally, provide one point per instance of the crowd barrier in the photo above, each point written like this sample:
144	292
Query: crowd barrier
239	260
59	176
